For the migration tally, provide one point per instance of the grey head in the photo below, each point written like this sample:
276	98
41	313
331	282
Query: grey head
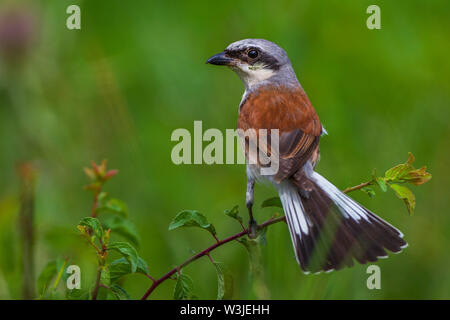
257	62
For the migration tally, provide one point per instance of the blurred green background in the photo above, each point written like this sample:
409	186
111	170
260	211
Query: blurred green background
117	88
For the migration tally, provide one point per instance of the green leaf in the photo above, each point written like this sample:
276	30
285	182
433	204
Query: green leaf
105	277
111	205
119	292
400	171
369	191
272	202
123	227
118	268
128	251
66	275
183	287
406	195
77	294
224	282
103	293
407	173
234	213
94	225
121	267
61	266
382	184
142	266
46	276
191	218
256	266
397	172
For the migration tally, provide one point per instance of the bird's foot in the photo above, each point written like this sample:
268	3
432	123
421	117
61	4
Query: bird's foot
252	229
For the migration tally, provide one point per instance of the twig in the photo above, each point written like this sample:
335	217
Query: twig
219	243
150	277
97	284
26	222
95	203
210	258
205	253
359	186
101	263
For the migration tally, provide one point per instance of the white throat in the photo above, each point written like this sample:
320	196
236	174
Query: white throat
251	76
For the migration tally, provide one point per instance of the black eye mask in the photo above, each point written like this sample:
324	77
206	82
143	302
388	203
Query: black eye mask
262	57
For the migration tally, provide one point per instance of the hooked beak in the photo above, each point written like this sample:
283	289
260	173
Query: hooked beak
220	59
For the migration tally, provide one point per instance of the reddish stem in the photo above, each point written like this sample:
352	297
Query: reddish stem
205	252
359	186
97	284
95	204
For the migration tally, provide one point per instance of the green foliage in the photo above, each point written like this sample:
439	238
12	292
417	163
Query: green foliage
253	247
97	231
183	287
405	172
396	178
89	224
272	202
192	218
224	282
46	276
111	205
382	184
123	227
369	191
119	292
77	294
105	277
406	195
121	267
234	213
128	251
53	270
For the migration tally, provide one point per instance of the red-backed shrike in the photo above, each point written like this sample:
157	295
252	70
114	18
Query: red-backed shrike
328	229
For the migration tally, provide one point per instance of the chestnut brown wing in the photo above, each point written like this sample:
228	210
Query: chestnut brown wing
289	111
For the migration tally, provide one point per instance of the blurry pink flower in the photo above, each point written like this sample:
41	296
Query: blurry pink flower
17	31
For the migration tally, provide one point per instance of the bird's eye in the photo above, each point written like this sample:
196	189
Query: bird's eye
253	54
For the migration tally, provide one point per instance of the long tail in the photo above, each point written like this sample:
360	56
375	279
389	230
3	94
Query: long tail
329	229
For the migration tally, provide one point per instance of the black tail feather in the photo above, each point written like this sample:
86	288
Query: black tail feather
329	230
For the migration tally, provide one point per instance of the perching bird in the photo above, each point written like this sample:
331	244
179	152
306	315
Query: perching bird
328	229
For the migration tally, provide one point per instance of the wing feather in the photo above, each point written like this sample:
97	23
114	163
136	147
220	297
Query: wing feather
289	111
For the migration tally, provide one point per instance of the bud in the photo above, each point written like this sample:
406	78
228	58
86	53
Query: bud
110	174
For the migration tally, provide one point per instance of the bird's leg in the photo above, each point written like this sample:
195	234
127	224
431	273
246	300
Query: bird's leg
252	225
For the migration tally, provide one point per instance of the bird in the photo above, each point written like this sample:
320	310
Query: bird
329	230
